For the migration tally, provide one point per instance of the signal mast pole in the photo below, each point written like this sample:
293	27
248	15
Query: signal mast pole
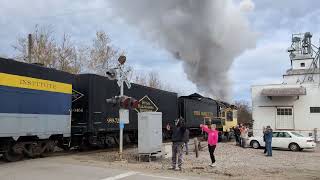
121	124
118	73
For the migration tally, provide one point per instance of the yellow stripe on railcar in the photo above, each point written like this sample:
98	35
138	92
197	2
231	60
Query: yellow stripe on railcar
17	81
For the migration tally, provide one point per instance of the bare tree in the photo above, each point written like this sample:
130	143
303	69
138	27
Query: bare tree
46	51
67	58
82	60
154	80
139	78
102	53
244	112
150	79
43	47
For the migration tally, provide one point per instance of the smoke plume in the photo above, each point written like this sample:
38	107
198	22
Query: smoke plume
246	5
206	35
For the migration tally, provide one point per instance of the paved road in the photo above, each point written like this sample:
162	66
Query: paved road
50	169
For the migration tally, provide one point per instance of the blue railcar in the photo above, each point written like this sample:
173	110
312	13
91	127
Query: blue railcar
35	104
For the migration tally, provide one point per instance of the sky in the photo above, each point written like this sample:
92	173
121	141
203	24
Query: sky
272	21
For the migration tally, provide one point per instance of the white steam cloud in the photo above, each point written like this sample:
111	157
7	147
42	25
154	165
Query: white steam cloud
246	5
207	35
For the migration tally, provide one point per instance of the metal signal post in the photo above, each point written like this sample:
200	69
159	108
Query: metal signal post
120	75
121	124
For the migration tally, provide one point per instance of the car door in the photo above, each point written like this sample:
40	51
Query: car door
275	140
283	140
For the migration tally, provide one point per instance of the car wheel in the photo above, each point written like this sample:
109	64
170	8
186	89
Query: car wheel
255	144
294	147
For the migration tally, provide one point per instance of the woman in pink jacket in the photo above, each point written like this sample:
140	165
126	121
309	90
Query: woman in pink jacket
212	140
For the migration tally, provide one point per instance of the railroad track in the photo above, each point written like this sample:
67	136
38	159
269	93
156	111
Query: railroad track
76	152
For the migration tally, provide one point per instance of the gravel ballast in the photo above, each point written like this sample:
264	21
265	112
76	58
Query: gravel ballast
233	162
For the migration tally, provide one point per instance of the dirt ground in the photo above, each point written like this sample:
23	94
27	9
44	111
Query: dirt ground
233	162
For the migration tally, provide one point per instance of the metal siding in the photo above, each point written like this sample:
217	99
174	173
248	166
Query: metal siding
35	71
191	105
97	89
80	109
43	126
27	101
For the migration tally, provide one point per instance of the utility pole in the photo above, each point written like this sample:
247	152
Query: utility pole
30	46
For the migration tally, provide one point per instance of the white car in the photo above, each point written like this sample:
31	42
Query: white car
285	139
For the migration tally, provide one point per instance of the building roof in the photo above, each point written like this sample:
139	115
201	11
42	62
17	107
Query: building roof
283	91
302	71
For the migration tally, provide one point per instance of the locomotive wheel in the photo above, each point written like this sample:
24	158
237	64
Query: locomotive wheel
12	157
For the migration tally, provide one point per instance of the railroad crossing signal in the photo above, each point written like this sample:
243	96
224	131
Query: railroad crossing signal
124	102
115	101
111	74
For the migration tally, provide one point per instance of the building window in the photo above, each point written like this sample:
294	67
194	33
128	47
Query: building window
314	109
284	112
302	64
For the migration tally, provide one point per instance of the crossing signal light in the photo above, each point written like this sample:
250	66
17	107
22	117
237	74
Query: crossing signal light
134	103
111	74
129	103
124	102
115	101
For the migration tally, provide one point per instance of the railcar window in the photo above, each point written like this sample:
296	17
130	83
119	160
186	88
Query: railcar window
229	116
235	114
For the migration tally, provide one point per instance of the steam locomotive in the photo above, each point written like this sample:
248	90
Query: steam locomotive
41	108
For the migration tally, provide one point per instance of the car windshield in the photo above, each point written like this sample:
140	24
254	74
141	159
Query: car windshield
297	134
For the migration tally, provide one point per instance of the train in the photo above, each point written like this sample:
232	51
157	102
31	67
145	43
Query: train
43	108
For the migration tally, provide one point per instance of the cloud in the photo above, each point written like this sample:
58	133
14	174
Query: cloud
263	65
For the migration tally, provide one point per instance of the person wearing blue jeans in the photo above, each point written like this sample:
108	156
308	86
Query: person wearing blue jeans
268	140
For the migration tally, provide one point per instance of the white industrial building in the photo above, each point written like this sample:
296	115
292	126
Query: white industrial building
294	104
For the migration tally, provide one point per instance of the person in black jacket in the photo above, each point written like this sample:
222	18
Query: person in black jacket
237	134
178	140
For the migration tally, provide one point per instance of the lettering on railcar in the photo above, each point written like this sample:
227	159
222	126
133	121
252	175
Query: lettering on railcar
77	110
146	105
112	120
203	114
31	83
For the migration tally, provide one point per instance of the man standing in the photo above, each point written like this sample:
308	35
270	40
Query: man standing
178	140
237	134
264	140
240	132
268	139
244	136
